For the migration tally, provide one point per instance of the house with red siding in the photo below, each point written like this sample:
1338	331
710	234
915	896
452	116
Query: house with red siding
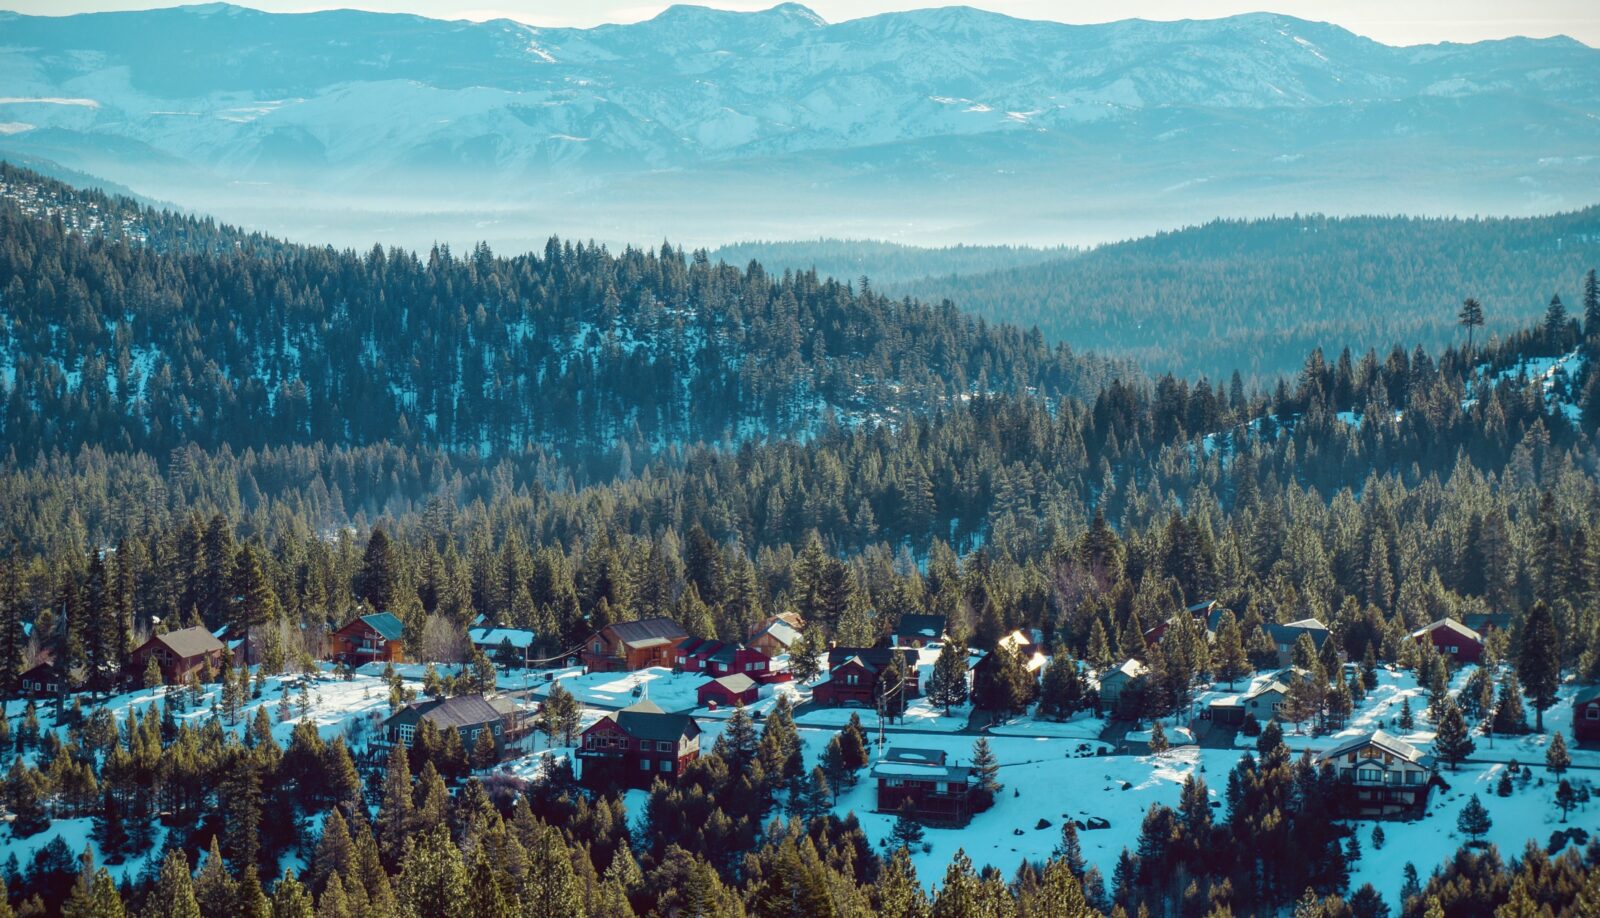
715	658
179	654
855	674
1452	639
374	638
629	646
636	745
728	691
1586	715
941	794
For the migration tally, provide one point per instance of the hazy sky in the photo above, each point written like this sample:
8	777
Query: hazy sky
1402	22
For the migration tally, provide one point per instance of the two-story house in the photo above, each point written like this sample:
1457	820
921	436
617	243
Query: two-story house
717	659
178	654
1381	776
628	646
856	676
1454	640
374	638
941	794
636	745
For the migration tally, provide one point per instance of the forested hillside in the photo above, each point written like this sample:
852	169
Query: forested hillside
1258	295
1376	491
164	330
887	264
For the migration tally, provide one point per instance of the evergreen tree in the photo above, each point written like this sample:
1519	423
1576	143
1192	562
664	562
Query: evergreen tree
907	832
1470	317
1158	738
1556	757
433	881
1473	820
1231	662
986	768
1539	660
1453	742
947	685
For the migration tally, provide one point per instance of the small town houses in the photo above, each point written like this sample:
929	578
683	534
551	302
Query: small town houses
372	638
178	654
469	715
856	676
628	646
636	745
1381	776
941	794
1452	639
715	658
1586	715
1114	682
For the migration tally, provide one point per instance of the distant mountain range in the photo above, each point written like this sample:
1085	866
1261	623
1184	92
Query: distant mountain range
944	125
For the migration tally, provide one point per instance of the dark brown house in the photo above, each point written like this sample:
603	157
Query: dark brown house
178	653
627	646
1586	715
42	681
636	745
942	794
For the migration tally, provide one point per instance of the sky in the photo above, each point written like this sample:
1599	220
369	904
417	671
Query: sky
1406	22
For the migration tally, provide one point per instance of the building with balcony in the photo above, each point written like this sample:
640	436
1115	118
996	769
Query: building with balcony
1381	776
941	794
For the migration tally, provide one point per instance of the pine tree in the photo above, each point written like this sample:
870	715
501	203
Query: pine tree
1231	661
898	894
1453	742
1062	687
1556	757
1474	821
380	573
1539	660
1555	323
947	685
290	899
396	815
1591	304
1158	738
214	890
1566	797
433	881
1407	720
1470	317
986	768
805	656
907	832
738	742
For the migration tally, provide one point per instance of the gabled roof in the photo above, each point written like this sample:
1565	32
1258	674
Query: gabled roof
460	711
874	657
928	764
917	625
856	659
1130	668
1448	624
645	720
190	642
494	637
1290	633
1586	695
388	626
648	632
737	683
1393	745
781	631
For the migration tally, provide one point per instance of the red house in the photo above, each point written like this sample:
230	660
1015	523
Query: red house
854	674
1586	715
179	654
627	646
634	746
1451	638
368	639
729	691
942	794
714	658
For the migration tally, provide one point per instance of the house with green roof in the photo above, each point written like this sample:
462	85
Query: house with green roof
371	638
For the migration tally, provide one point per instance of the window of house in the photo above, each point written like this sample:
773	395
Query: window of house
1592	712
851	679
644	764
407	732
588	742
1454	649
1369	774
596	646
666	764
1413	777
663	746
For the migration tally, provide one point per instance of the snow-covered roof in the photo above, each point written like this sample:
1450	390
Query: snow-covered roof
1449	623
1130	668
1389	743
